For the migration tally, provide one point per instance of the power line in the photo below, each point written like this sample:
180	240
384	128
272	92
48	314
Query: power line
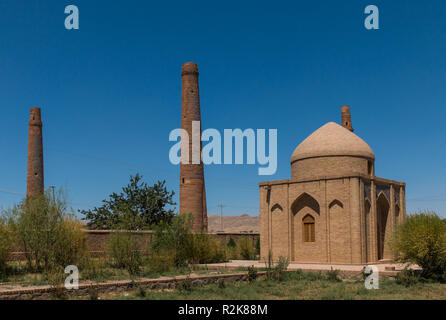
12	192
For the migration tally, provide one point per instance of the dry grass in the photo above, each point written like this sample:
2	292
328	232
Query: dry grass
297	287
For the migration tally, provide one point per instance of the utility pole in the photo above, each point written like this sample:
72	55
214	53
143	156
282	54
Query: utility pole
54	195
221	217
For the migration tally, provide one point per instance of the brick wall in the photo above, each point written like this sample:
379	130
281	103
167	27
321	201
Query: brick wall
97	240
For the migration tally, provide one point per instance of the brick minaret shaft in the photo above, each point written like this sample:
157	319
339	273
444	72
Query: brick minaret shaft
192	187
35	183
346	118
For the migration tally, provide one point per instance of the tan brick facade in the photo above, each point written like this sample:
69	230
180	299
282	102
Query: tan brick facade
332	184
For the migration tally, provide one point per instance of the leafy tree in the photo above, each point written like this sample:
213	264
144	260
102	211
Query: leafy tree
138	206
231	243
51	236
6	241
421	239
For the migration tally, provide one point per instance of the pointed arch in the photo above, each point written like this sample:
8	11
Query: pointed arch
305	200
382	194
276	207
334	203
382	210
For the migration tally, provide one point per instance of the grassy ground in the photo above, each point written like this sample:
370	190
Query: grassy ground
20	276
294	286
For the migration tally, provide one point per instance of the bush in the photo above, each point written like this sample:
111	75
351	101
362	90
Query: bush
246	249
221	284
93	293
276	272
252	274
333	275
184	285
231	243
186	247
421	239
407	277
280	268
141	291
56	277
6	240
258	246
92	269
50	235
162	260
124	251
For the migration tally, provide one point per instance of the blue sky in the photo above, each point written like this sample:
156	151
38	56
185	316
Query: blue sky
110	92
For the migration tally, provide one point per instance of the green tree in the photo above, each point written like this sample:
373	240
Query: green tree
421	239
6	242
51	236
141	206
231	243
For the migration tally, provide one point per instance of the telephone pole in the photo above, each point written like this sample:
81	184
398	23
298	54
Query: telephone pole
54	195
221	217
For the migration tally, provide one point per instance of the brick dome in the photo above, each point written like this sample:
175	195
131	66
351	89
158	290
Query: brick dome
332	140
331	150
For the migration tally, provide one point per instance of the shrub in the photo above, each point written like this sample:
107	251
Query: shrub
162	260
407	277
231	243
221	283
93	293
333	275
6	240
280	268
252	274
246	249
50	235
92	269
421	239
56	276
276	272
185	285
232	253
187	247
258	246
141	291
124	251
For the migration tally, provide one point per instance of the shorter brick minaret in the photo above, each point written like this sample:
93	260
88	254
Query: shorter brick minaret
346	118
35	184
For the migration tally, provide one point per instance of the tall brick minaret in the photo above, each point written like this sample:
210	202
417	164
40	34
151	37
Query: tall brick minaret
35	184
346	118
192	187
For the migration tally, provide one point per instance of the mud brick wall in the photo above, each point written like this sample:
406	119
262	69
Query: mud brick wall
97	241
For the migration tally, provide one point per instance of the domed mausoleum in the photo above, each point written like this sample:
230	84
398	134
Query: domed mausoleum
333	209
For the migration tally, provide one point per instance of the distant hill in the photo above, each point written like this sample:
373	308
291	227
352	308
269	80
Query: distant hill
243	223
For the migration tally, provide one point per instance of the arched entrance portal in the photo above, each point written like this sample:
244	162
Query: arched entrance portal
382	209
306	232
